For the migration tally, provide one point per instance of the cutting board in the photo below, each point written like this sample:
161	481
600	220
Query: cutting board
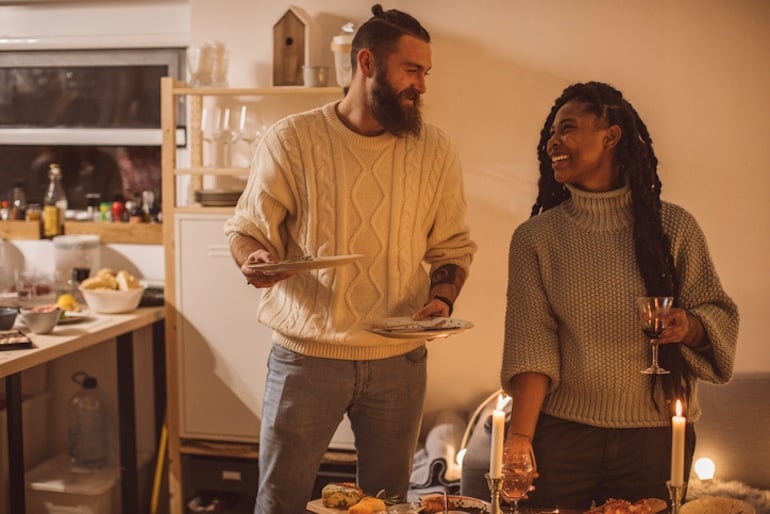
317	506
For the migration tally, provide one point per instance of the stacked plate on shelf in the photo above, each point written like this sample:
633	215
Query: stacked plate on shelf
217	197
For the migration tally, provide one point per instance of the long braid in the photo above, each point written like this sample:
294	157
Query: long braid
638	166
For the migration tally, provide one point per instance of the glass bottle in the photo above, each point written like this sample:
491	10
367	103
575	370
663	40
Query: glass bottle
19	205
54	204
89	431
135	213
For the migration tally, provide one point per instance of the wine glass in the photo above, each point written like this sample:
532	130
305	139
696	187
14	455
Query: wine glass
251	128
209	121
518	472
225	135
652	316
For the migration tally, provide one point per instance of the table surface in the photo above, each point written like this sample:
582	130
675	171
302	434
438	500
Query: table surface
316	507
70	338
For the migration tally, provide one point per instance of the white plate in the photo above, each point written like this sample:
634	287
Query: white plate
71	317
717	505
404	327
435	502
307	263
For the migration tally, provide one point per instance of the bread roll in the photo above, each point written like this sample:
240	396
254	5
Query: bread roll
340	495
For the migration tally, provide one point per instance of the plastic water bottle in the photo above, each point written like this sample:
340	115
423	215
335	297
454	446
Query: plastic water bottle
89	430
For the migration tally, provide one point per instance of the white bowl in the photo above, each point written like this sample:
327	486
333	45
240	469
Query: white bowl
41	319
107	301
717	505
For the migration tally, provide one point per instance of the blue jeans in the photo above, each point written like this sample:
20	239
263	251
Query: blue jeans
306	398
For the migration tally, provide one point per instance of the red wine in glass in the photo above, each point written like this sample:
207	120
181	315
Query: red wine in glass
652	312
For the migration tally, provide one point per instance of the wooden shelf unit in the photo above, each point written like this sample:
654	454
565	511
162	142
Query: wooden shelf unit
129	233
174	96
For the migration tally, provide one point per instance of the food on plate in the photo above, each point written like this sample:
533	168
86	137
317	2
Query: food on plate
346	495
68	303
368	505
455	503
645	506
42	308
109	279
341	495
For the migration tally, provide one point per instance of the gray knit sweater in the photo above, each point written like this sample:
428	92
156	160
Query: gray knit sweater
571	311
318	188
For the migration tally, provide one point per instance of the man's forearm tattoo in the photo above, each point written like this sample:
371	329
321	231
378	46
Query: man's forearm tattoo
448	274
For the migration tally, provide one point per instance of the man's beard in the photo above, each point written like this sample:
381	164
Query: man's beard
387	108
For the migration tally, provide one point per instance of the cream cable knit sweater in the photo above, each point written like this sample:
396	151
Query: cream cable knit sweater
318	188
571	312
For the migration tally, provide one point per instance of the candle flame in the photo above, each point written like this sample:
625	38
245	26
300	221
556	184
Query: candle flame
502	401
679	408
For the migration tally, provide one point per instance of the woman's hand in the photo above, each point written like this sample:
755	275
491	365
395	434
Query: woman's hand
516	444
682	328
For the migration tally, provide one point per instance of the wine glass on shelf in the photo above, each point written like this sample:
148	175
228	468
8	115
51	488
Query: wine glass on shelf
518	473
209	121
224	136
653	311
251	128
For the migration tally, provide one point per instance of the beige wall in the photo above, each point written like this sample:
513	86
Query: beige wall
695	70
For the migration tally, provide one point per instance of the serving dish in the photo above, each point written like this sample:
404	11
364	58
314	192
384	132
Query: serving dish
112	301
13	340
455	503
72	317
717	505
404	327
306	262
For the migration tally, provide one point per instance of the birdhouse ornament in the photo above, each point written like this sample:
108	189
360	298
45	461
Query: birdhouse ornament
291	40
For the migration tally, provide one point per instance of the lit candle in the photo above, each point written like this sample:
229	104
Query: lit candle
498	431
678	423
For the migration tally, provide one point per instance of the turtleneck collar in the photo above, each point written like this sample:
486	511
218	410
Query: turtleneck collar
609	210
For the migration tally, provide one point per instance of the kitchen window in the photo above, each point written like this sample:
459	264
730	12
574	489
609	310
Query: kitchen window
94	112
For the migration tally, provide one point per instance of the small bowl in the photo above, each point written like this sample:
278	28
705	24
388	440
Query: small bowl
41	319
7	317
109	301
315	76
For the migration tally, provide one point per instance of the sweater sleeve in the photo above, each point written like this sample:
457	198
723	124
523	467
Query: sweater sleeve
531	341
266	200
449	240
701	295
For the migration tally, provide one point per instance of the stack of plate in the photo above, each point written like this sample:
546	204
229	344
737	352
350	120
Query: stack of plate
217	197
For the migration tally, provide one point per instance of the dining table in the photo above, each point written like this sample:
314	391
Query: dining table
68	339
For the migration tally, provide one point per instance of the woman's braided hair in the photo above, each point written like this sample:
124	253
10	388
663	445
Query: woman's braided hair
638	166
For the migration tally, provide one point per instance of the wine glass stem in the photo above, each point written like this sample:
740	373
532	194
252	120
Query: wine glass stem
515	507
654	344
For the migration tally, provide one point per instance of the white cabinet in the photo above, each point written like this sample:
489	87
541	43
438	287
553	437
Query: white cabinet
222	349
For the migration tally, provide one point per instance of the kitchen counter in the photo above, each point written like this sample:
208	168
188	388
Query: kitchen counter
67	339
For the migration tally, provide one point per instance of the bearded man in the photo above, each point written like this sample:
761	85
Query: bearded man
363	175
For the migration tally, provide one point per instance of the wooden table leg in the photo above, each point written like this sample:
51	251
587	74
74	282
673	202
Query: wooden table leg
129	483
13	398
